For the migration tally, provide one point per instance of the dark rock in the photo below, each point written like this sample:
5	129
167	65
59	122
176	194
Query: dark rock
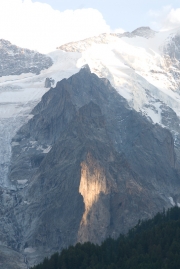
49	82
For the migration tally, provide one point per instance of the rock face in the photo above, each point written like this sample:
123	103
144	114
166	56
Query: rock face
15	60
86	167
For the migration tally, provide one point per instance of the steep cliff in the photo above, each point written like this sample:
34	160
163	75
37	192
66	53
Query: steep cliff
86	167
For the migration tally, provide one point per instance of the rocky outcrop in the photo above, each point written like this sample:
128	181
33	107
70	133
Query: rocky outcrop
15	60
49	82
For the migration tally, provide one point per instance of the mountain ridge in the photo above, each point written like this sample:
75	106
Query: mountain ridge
80	46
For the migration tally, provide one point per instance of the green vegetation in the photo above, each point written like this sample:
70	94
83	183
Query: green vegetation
152	244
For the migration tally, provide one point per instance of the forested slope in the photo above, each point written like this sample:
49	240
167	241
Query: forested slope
152	244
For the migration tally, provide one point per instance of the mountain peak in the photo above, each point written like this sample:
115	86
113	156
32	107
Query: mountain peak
82	45
85	68
144	31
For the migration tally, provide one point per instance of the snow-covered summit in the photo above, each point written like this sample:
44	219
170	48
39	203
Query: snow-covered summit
145	32
82	45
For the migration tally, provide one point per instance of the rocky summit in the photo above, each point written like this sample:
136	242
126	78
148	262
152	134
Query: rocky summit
85	167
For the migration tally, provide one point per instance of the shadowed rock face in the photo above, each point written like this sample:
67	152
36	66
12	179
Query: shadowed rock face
83	189
15	60
92	168
127	129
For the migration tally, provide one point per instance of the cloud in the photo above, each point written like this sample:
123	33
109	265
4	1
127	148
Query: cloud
38	26
119	31
165	19
157	17
172	20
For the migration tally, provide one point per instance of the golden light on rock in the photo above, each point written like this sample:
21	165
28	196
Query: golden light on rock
93	183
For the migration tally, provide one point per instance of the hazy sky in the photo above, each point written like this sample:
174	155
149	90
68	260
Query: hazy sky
44	25
126	14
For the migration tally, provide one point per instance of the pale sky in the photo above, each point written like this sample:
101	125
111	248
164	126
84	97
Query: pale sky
44	25
126	14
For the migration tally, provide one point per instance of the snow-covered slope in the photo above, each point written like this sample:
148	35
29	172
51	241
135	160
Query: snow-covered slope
82	45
